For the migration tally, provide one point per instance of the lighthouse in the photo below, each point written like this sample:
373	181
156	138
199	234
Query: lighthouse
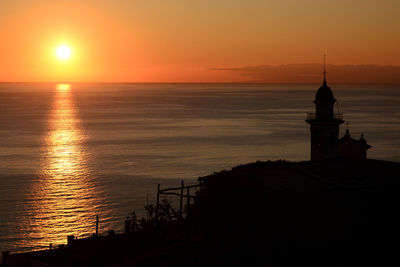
324	124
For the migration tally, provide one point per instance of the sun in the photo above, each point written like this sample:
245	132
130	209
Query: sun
63	52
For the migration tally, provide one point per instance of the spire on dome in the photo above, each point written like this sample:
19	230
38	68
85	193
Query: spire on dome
324	83
324	93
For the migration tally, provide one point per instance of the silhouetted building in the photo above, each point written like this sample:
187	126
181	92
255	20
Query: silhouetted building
324	125
353	149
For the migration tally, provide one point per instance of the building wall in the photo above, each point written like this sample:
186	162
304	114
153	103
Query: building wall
352	151
324	140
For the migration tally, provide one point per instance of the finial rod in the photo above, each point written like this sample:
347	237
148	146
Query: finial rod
324	69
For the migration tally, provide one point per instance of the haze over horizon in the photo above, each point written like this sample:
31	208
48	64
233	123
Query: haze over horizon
208	41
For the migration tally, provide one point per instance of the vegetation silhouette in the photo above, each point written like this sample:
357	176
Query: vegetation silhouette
273	213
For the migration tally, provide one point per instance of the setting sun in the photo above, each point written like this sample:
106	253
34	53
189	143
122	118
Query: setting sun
63	52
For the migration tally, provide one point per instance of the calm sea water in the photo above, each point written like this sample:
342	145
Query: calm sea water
69	152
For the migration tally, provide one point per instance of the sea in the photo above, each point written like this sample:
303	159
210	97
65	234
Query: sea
72	151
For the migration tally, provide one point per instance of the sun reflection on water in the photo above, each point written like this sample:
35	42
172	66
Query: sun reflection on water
65	198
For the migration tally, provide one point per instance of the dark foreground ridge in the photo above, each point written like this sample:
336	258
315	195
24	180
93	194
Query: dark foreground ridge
325	213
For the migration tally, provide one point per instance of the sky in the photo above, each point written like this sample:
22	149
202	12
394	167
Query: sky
197	41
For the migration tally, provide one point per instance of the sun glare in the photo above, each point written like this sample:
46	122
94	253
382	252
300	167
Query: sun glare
63	52
64	87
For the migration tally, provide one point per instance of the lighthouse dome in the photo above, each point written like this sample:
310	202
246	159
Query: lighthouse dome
324	94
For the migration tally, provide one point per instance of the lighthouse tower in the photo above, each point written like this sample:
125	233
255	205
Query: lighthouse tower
324	124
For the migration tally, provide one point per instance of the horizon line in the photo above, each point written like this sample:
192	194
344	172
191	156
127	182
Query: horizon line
199	82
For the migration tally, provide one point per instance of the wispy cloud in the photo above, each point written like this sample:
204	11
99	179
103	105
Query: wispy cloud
310	73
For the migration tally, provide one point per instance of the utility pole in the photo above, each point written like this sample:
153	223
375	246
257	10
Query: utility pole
97	225
181	201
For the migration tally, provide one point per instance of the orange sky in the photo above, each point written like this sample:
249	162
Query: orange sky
189	40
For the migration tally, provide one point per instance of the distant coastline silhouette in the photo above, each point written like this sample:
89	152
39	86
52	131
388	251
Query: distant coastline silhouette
308	73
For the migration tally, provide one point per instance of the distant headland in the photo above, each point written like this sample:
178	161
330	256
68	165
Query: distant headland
308	73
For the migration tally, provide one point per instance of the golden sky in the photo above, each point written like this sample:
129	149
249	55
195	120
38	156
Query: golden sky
190	40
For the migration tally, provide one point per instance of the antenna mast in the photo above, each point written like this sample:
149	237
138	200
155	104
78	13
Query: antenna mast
324	69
